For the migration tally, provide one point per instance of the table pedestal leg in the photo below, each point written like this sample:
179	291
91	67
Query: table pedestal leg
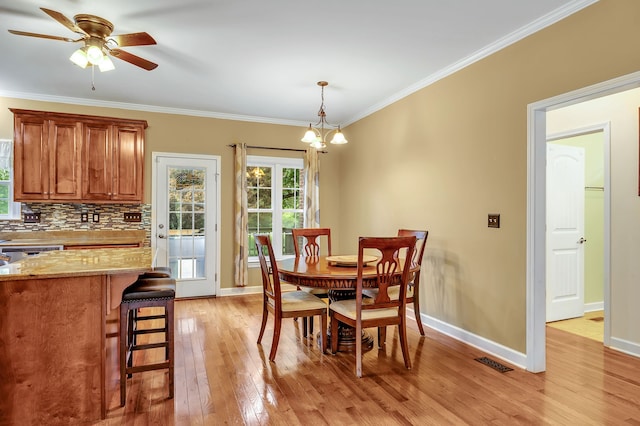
347	334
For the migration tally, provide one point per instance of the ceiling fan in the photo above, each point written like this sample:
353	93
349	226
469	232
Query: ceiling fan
95	32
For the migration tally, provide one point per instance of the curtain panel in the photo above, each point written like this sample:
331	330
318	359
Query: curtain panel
311	189
241	236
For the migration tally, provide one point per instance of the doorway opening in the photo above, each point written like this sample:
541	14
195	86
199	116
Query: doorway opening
536	214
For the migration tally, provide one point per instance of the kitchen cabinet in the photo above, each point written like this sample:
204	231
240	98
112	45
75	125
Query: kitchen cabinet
47	158
112	162
73	157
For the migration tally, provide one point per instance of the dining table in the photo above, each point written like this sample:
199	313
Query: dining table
337	274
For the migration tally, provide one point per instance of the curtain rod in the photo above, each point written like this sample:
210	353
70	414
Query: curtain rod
278	149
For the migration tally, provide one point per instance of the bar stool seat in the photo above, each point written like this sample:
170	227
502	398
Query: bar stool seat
146	292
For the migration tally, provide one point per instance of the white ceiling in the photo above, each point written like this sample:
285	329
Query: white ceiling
260	60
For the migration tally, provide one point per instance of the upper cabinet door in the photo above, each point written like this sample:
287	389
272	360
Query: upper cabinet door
128	163
65	145
31	159
96	162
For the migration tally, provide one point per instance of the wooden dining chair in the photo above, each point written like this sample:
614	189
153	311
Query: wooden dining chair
381	311
292	304
306	242
413	291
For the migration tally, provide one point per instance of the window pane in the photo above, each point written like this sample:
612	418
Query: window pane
264	198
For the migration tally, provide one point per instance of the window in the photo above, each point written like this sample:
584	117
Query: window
275	198
8	209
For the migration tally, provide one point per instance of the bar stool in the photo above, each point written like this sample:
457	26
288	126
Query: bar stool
146	292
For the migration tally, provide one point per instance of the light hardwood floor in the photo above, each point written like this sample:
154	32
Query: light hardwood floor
224	377
590	325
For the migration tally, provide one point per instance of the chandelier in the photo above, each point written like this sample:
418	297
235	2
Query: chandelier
317	135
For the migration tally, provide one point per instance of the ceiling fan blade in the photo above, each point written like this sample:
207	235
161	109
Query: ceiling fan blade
63	20
133	39
133	59
24	33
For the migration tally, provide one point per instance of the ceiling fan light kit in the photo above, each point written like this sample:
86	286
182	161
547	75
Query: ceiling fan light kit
99	44
317	137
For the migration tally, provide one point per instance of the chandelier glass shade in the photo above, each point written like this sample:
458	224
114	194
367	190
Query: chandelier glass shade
317	135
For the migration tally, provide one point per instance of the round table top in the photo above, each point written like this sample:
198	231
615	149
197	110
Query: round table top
318	272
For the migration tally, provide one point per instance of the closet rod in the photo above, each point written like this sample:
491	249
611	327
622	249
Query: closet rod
278	149
597	188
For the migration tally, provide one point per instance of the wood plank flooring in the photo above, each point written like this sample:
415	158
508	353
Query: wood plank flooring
223	377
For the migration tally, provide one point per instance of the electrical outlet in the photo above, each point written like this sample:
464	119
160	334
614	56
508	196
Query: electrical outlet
31	217
494	220
96	217
84	217
132	217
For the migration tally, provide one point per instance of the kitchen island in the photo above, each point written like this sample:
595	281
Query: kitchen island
59	333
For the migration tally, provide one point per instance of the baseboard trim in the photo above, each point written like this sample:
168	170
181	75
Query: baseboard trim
490	347
237	291
625	346
594	306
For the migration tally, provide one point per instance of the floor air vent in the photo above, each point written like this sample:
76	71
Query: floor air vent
494	364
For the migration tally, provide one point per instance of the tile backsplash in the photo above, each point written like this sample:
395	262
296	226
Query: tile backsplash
68	217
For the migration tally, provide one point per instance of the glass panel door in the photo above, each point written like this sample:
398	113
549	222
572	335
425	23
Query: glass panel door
186	212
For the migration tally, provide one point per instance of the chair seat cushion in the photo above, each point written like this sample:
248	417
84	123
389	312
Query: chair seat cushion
301	300
151	288
394	292
348	309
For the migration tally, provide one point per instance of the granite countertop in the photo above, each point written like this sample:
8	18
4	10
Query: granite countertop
61	263
71	238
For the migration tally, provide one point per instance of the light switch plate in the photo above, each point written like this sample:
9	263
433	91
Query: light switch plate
96	217
493	220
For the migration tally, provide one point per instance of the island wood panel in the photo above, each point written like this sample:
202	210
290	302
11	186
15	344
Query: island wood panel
52	350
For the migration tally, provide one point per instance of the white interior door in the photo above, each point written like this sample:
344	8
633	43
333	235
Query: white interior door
185	221
565	232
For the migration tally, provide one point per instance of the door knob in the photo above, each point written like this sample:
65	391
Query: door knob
582	240
161	236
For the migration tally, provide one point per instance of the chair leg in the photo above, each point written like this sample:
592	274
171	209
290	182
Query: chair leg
265	314
310	326
323	332
402	329
334	335
358	350
416	308
276	337
304	327
382	337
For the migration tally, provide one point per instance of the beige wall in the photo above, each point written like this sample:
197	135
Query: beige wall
183	134
621	112
446	156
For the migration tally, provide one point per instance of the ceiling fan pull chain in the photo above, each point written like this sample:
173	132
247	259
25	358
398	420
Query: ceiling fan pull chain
93	85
